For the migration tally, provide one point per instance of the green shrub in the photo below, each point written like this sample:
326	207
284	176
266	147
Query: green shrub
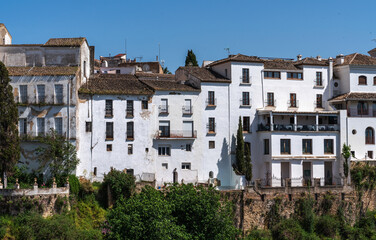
74	185
288	229
304	213
258	234
86	188
327	226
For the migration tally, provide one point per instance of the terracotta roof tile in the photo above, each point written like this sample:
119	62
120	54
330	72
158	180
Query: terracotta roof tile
162	85
205	74
359	59
237	58
65	42
313	61
155	76
355	96
279	64
42	71
117	84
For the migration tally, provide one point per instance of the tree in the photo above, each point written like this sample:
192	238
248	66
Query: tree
346	153
248	165
9	139
240	148
58	155
190	59
166	71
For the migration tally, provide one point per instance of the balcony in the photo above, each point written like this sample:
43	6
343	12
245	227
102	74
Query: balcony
318	104
163	109
176	134
211	102
299	127
129	113
245	102
187	110
245	80
211	128
293	104
271	103
318	83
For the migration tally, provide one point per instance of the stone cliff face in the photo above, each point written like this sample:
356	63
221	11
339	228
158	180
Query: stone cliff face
253	209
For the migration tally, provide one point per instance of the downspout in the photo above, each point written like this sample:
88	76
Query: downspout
91	137
68	106
229	129
262	88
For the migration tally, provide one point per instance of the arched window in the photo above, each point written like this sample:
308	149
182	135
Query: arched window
362	80
370	136
374	80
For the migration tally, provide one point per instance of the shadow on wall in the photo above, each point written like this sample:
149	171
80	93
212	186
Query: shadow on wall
223	164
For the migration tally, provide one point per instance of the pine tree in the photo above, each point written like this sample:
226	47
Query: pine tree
9	139
248	165
240	148
190	60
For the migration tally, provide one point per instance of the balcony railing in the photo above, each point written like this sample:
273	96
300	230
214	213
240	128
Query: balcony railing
163	109
271	103
318	104
130	135
211	127
176	134
246	79
188	110
129	112
299	127
318	82
211	102
245	102
293	104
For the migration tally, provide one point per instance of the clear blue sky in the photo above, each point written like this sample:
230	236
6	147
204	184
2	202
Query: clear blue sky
263	28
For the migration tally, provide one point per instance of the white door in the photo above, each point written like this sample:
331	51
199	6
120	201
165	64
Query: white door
187	129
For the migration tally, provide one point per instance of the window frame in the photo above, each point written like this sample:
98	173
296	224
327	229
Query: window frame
245	76
109	108
328	146
285	146
59	98
369	135
109	131
23	98
211	125
319	82
295	76
164	151
246	124
274	75
56	122
41	93
270	99
130	109
307	147
362	78
186	166
319	101
211	144
211	98
245	99
266	146
130	131
88	126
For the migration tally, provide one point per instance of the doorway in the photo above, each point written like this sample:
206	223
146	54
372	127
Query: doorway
328	168
285	171
307	173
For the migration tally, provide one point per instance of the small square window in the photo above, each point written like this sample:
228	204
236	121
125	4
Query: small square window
353	154
165	165
370	154
211	144
188	147
109	147
130	149
147	150
144	104
186	166
164	151
88	126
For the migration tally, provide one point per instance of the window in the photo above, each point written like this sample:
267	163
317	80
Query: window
266	147
269	74
40	126
117	71
130	131
144	104
285	146
245	99
374	80
188	147
211	98
163	108
109	147
307	146
165	165
328	146
130	149
108	108
59	125
245	75
318	100
362	80
22	126
246	124
270	99
211	125
109	130
146	150
59	93
370	136
293	102
353	154
95	171
186	166
211	144
129	108
295	75
362	108
164	128
164	151
84	68
41	93
318	78
370	154
247	146
88	126
23	93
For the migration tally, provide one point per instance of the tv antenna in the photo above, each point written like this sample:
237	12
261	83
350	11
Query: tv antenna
227	50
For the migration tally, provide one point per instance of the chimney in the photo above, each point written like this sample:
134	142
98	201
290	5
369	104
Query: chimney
318	57
299	57
340	59
156	58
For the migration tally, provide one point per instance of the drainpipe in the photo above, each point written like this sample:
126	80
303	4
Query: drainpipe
330	78
229	130
68	106
91	138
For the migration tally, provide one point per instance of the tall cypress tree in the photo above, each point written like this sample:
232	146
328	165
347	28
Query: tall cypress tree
9	139
240	148
190	59
248	165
